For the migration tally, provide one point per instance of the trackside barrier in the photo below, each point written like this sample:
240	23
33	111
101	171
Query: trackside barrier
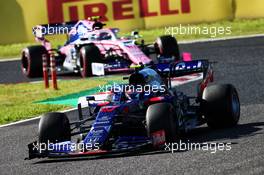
126	14
249	9
173	12
45	70
53	70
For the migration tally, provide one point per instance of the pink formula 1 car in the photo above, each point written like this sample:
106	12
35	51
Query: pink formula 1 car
91	49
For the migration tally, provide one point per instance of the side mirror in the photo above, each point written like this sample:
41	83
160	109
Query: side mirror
135	34
84	39
90	98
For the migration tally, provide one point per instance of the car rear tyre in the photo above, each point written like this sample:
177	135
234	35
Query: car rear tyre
54	127
221	106
31	61
161	116
167	46
89	54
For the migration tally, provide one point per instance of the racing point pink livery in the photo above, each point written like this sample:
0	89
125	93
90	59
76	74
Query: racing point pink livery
91	49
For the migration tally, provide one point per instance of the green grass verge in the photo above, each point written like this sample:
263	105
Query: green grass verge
239	27
12	50
18	101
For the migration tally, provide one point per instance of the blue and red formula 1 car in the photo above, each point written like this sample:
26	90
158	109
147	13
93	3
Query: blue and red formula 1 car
89	42
145	112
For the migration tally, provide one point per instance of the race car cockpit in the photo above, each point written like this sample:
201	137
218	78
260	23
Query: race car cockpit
148	80
146	76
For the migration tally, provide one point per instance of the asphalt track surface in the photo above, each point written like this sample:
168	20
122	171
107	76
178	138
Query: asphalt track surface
240	62
10	72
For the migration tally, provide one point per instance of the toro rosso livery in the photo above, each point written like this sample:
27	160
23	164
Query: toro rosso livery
148	112
89	42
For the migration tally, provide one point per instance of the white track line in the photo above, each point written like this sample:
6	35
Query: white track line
220	39
9	59
32	119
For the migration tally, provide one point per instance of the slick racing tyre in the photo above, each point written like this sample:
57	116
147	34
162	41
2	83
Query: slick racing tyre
161	116
167	46
89	54
31	61
221	106
54	127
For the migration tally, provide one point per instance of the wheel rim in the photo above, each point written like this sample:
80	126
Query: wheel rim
25	63
82	64
159	46
235	106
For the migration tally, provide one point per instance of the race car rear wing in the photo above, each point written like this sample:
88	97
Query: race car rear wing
183	68
189	67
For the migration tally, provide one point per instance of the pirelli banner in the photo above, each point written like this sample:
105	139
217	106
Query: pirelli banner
19	16
131	14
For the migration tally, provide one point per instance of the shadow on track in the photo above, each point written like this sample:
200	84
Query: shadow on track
199	135
205	134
